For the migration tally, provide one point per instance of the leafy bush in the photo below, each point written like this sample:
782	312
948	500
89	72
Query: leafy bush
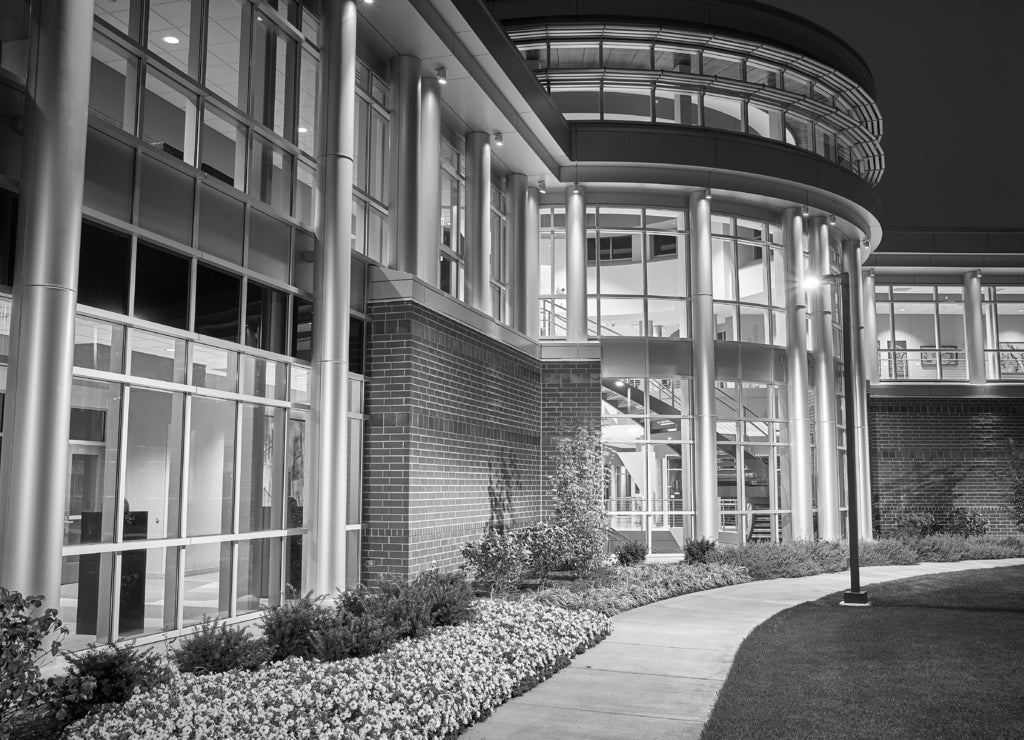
968	523
449	596
1015	470
632	552
616	590
432	687
30	706
888	551
790	560
216	648
699	551
914	524
948	548
499	561
289	628
550	547
577	486
118	671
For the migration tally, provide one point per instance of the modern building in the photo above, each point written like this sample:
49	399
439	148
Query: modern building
299	293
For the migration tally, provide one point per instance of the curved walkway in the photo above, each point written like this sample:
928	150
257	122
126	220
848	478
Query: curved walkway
658	674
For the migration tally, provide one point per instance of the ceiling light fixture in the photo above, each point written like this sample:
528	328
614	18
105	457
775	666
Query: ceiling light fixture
831	220
303	130
707	193
442	75
542	186
171	40
805	211
499	140
575	188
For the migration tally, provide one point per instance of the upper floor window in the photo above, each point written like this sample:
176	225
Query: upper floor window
453	217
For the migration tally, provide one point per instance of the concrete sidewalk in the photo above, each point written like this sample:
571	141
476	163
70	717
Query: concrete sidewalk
658	674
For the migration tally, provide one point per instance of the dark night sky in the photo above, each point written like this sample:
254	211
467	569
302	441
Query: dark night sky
948	74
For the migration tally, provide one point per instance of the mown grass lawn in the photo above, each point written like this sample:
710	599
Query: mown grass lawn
934	657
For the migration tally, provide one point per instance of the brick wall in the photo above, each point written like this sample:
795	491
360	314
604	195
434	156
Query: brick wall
452	443
571	398
930	455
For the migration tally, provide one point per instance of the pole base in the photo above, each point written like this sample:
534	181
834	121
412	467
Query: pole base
855	598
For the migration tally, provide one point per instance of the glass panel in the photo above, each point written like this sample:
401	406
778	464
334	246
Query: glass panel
299	384
797	83
722	225
824	142
378	157
90	505
536	57
723	113
620	218
103	269
355	472
552	317
725	321
760	74
667	265
98	345
669	59
362	142
574	56
779	335
166	201
86	599
305	193
293	567
149	591
452	236
353	548
270	174
778	277
109	175
303	258
298	472
153	462
221	224
211	471
223	148
721	65
627	56
170	23
264	378
308	71
765	121
798	131
169	117
668	319
213	367
657	219
622	317
753	325
753	280
269	248
158	357
225	50
302	330
218	296
161	287
262	471
723	269
627	104
207	583
118	13
257	586
377	236
577	103
114	78
266	317
270	77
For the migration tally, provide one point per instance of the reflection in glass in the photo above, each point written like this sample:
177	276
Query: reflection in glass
90	505
262	468
86	599
269	248
298	472
113	84
577	102
221	224
264	378
724	113
223	148
622	317
213	367
157	356
627	104
211	466
153	462
270	174
574	56
627	56
218	295
149	592
765	121
98	345
207	590
169	117
259	565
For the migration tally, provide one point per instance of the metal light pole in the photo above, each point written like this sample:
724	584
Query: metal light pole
855	596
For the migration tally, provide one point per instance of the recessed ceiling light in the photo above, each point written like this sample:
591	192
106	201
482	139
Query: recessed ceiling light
171	40
303	130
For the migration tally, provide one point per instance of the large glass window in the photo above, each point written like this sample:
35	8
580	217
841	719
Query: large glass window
103	268
270	174
153	462
91	506
170	32
218	295
169	117
211	472
272	75
161	287
262	468
920	332
223	148
226	47
112	90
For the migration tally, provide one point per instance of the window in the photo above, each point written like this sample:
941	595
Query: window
578	102
221	224
272	74
627	56
453	219
269	247
211	467
227	29
223	148
574	56
161	287
677	106
103	267
170	34
499	253
721	65
169	117
266	313
627	104
217	303
270	174
672	59
113	84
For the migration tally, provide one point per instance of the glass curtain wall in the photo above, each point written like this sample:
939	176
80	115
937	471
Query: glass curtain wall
748	280
920	332
1004	330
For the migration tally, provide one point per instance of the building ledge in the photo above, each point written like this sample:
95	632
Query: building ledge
945	390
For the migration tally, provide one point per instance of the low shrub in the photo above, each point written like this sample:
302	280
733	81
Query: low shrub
432	687
449	596
699	551
290	627
119	671
888	552
632	552
948	548
765	560
499	561
216	648
914	524
968	523
618	589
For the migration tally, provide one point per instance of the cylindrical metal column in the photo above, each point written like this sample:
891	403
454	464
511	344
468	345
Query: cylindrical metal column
428	208
576	264
705	431
325	566
824	387
405	145
975	327
531	247
869	345
515	238
33	477
796	374
856	368
478	221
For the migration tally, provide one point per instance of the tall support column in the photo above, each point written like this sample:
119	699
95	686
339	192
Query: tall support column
531	247
824	387
869	346
975	326
428	202
516	240
33	476
478	221
405	145
325	566
858	373
797	380
705	432
576	264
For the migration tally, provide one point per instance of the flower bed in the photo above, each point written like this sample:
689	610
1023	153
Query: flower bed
432	687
